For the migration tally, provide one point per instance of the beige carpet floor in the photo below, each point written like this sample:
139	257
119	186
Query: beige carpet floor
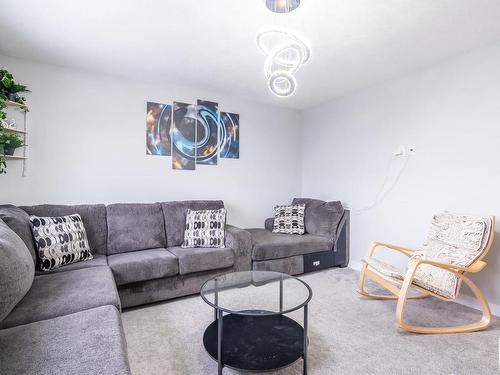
348	335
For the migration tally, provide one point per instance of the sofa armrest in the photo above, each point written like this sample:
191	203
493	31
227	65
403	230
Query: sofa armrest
342	240
241	242
269	224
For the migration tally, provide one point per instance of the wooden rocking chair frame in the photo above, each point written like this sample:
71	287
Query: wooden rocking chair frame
400	288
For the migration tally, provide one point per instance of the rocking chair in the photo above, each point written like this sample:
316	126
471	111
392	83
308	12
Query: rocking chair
455	245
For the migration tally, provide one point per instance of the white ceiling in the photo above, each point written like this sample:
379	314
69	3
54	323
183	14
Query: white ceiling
211	43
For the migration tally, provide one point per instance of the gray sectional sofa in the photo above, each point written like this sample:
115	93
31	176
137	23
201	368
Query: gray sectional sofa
324	244
67	321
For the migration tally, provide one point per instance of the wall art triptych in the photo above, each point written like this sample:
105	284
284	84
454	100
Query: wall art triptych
192	134
158	125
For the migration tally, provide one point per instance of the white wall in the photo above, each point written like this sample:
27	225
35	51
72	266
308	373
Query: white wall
451	113
87	145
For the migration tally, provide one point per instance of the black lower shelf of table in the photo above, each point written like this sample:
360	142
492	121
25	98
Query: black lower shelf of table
256	343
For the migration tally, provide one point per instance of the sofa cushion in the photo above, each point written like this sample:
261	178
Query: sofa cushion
93	216
89	342
143	265
202	258
175	217
269	245
135	226
17	270
97	261
19	221
321	218
60	240
64	293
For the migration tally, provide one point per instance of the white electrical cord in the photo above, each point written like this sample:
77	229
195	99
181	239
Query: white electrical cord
383	192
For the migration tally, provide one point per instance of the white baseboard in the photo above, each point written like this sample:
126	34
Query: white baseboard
462	299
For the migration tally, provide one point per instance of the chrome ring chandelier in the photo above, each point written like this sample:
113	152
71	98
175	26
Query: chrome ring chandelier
285	52
282	6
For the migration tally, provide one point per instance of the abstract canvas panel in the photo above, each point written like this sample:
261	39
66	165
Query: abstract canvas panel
158	126
206	132
184	136
229	135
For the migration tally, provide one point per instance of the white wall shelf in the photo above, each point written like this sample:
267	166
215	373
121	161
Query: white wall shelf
24	131
15	130
14	157
14	104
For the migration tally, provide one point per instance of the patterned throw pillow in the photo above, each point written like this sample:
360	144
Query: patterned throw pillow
60	240
205	228
289	219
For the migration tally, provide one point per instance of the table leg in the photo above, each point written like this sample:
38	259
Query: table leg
306	341
216	298
219	341
281	293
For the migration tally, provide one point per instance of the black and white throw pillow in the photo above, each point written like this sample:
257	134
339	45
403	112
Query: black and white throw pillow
205	228
289	219
60	240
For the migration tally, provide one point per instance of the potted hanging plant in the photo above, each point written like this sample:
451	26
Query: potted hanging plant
10	142
10	89
2	149
3	114
3	165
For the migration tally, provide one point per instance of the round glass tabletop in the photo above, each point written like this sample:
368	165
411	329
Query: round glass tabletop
256	293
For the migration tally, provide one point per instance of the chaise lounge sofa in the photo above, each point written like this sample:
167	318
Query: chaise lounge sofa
69	319
324	244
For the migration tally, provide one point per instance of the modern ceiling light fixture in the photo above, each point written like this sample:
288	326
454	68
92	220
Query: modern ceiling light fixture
282	6
285	52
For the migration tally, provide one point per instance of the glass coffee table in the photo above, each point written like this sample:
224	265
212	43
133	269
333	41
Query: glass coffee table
250	331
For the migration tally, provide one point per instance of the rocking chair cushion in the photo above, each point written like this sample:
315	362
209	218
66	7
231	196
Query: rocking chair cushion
436	280
453	239
383	269
469	233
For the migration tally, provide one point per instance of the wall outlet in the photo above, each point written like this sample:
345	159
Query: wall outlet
412	150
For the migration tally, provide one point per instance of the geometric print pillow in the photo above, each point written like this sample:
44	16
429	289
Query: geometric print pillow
289	219
205	228
60	240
